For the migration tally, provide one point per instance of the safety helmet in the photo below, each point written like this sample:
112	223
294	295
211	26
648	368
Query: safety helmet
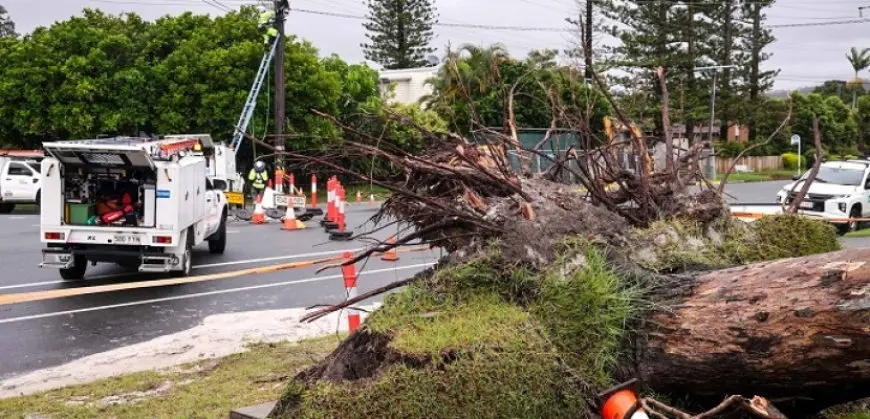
259	166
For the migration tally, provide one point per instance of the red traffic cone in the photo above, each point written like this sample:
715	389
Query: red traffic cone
391	255
621	402
259	216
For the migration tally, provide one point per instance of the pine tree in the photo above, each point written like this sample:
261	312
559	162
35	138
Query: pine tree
399	32
751	58
727	49
7	26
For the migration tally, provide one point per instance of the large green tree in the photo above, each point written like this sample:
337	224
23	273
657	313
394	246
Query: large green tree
7	26
472	90
99	74
399	32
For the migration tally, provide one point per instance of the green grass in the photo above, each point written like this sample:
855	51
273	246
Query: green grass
207	389
761	176
860	233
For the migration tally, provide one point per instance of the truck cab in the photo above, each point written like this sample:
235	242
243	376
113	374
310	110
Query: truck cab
141	203
839	194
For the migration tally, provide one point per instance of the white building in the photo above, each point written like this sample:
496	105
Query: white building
409	84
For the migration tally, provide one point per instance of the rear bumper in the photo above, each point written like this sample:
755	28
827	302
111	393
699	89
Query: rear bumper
116	237
148	259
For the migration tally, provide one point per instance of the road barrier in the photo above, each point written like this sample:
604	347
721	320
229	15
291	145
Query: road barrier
314	210
350	277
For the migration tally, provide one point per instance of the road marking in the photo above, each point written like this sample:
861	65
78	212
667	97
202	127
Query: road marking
205	294
233	231
26	297
212	265
18	217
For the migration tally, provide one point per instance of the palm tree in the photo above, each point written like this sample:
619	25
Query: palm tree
860	60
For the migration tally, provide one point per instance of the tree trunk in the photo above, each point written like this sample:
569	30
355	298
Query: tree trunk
796	330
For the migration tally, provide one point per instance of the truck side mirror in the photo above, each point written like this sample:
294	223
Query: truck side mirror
219	184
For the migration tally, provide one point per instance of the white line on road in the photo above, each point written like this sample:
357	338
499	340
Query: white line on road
204	294
212	265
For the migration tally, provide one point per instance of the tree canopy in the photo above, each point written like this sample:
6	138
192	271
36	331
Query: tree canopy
7	26
100	74
399	32
475	83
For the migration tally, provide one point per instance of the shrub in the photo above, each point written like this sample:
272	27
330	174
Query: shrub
790	161
782	236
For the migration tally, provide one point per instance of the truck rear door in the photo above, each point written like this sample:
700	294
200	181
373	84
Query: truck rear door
108	155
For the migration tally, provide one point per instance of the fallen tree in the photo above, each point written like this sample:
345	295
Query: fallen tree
551	291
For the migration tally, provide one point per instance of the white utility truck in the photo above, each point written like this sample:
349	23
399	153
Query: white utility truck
142	203
839	194
20	180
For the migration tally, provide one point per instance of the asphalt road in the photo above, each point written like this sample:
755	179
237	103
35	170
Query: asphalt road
51	332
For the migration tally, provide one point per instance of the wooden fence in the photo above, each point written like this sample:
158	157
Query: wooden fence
756	163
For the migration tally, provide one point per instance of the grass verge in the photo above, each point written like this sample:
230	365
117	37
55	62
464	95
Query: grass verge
206	389
762	176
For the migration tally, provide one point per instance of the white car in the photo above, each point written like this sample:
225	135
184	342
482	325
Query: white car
839	194
20	183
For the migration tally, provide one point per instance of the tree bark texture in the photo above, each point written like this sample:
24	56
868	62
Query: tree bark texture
793	329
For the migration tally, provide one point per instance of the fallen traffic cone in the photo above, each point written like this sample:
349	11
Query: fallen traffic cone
391	255
349	274
259	216
621	402
290	221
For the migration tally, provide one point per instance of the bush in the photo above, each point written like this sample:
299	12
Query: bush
790	161
783	236
730	149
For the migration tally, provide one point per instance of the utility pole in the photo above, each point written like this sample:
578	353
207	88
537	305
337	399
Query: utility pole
281	9
711	167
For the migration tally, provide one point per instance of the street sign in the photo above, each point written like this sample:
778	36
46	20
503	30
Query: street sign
795	139
282	201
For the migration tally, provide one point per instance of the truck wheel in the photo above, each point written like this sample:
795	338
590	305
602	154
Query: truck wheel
187	259
851	226
6	208
218	243
77	272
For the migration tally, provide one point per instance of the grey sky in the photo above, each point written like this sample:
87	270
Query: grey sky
806	56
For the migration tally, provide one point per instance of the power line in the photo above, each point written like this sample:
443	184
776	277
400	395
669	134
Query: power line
447	25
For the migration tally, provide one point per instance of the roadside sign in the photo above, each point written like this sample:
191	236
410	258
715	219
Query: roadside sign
235	198
795	139
281	200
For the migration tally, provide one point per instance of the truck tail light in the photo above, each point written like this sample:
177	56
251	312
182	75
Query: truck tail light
162	239
54	236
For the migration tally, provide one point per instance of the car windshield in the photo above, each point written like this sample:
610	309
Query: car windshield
838	175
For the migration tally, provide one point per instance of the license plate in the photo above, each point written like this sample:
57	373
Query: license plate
127	239
282	200
807	204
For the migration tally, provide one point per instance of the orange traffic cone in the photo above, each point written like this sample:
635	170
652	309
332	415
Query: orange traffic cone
621	402
371	199
391	255
259	216
359	197
290	221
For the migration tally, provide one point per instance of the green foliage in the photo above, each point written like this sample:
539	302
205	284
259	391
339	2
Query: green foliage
485	76
399	32
782	236
790	161
584	314
100	74
863	119
7	26
730	149
676	245
837	123
841	89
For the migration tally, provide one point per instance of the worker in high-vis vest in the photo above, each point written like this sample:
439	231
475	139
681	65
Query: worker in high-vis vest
266	22
258	177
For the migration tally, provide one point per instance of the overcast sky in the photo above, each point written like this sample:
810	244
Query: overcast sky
806	55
